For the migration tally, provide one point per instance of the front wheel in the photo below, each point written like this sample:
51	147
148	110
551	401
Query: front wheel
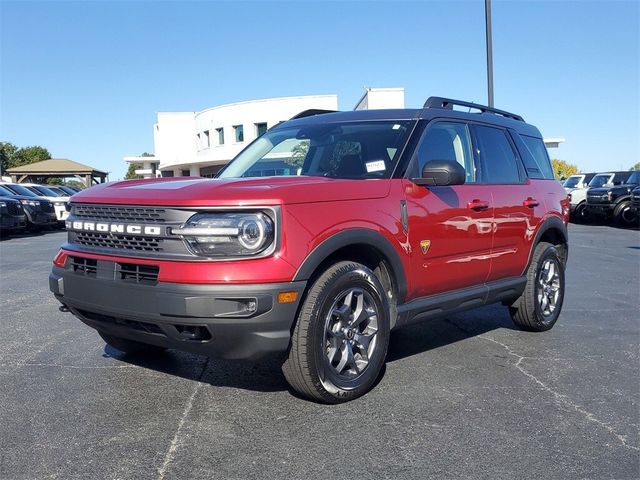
340	340
625	216
538	308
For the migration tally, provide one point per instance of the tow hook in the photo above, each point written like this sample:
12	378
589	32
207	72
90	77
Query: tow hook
64	309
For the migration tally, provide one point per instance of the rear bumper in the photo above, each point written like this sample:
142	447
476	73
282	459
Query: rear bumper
213	320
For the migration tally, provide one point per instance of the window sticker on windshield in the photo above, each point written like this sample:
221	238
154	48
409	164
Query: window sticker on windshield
376	166
395	127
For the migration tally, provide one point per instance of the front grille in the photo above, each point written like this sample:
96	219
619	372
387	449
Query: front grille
119	213
147	274
84	266
599	198
14	208
119	242
47	207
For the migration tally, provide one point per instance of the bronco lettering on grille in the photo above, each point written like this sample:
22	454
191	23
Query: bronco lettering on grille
114	228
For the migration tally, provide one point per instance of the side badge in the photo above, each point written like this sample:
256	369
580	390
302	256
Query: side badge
424	245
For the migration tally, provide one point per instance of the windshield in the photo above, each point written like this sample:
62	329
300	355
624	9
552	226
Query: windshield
572	182
337	150
20	190
599	180
6	191
47	192
634	178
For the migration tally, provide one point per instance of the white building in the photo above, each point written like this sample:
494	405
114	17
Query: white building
200	143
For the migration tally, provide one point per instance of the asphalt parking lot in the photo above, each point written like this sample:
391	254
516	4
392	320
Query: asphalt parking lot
468	396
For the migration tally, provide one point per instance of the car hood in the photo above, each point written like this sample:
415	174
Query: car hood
183	191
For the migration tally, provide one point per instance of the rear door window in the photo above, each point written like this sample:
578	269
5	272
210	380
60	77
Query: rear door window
498	161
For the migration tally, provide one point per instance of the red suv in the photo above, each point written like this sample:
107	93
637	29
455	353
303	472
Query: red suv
322	236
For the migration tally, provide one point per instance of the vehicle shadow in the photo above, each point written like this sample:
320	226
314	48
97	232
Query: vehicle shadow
266	375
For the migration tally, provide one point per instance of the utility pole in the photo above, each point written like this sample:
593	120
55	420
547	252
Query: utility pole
487	21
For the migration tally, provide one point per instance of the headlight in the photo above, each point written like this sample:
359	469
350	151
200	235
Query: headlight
59	204
610	195
3	204
228	234
32	203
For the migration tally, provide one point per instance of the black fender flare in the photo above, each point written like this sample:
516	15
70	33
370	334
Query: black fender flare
356	236
549	224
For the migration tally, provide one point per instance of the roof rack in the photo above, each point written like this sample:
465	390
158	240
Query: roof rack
311	112
448	103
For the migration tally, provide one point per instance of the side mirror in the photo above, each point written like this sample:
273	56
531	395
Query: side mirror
441	172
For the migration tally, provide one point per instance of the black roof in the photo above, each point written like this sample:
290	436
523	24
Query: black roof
429	113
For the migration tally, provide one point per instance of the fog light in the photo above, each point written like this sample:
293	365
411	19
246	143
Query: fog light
287	297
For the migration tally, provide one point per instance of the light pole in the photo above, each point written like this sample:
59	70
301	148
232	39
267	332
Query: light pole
487	20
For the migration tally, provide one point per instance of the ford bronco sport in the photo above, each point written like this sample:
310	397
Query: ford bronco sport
322	236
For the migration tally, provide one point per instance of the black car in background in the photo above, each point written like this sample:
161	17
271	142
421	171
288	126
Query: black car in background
614	201
39	212
12	216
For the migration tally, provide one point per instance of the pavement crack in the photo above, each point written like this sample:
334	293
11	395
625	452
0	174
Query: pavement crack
561	398
177	440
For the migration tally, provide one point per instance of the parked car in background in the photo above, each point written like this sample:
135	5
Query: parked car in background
578	194
39	211
581	180
613	200
59	202
12	216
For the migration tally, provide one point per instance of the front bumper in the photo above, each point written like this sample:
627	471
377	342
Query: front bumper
600	209
12	222
42	218
205	319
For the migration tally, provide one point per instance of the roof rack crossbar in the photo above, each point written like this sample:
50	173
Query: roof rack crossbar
448	103
311	112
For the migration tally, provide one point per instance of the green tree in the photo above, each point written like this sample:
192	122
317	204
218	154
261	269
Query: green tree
76	184
636	166
55	181
7	151
27	155
131	172
562	169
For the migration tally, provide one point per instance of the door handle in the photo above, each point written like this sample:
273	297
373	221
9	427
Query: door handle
478	205
531	202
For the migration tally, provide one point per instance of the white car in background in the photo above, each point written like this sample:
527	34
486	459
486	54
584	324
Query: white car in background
580	180
578	196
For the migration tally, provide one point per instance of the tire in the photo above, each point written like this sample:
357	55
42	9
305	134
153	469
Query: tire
625	216
336	354
539	306
580	214
131	347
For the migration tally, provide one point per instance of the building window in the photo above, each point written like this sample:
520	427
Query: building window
261	129
206	139
239	133
186	173
220	135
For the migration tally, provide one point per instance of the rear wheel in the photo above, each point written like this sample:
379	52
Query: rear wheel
340	340
129	346
539	306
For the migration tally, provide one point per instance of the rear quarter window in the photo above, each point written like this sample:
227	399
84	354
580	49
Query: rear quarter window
536	158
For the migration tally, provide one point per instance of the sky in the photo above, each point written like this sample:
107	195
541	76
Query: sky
86	79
